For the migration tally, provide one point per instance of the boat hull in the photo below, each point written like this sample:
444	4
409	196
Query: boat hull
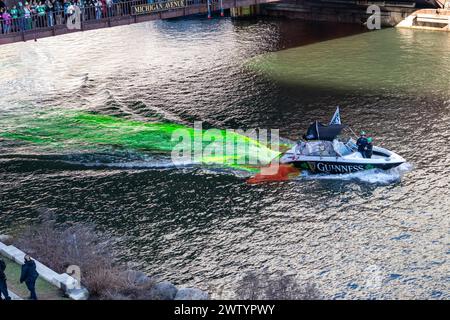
332	167
328	161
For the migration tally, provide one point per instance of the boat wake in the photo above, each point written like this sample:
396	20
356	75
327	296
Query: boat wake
127	165
160	164
373	176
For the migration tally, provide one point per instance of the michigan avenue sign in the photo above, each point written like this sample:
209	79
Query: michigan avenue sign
158	6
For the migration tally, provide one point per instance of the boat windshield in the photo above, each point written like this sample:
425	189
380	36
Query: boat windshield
315	148
344	147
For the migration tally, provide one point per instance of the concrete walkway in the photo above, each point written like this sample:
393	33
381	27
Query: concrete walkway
14	296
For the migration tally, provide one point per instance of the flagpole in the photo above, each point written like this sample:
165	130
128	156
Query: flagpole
336	119
356	136
317	130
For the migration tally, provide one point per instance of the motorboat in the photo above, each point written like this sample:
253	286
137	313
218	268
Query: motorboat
325	150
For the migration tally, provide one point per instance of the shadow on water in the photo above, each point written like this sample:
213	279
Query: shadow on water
385	62
280	33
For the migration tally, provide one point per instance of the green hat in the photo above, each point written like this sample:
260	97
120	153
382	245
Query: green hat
363	133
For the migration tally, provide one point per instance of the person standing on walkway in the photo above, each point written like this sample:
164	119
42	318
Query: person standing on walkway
3	286
7	22
50	12
21	16
59	11
15	16
110	8
40	11
98	9
1	21
27	14
29	276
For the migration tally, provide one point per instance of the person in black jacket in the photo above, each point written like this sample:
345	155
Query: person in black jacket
29	276
3	286
362	143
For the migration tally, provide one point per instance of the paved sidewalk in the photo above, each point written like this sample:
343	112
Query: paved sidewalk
14	296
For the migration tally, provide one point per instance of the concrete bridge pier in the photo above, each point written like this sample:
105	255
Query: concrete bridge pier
345	11
244	12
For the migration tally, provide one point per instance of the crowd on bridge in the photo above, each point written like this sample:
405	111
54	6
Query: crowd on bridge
25	15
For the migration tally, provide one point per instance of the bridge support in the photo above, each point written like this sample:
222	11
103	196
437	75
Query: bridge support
339	11
428	19
247	11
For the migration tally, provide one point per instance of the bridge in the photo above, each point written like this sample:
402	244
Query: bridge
82	18
77	19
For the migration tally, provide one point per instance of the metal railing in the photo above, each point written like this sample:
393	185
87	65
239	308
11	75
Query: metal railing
54	18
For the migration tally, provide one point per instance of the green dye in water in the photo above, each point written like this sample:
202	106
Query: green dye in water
82	130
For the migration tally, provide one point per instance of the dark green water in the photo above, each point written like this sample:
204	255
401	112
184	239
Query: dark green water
373	235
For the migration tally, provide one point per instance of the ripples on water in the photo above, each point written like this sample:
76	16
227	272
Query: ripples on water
203	227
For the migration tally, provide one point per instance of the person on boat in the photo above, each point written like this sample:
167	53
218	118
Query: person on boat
29	275
3	286
369	149
362	143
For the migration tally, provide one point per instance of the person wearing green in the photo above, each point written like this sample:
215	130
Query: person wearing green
40	10
21	17
27	16
14	12
369	148
14	16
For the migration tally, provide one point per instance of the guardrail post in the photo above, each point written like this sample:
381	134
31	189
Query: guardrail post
54	25
35	32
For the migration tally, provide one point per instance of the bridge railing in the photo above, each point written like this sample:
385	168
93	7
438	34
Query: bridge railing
51	19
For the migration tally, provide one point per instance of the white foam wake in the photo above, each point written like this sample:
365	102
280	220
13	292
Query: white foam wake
129	164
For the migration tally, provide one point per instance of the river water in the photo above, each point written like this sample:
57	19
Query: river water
373	235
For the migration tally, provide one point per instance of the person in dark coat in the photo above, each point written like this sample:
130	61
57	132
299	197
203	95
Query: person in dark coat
362	143
3	286
29	276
